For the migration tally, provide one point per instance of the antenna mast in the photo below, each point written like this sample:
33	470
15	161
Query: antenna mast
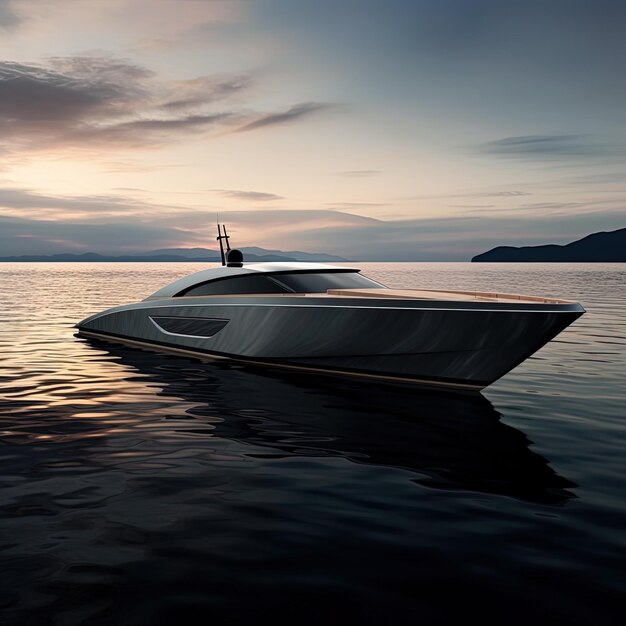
230	258
219	238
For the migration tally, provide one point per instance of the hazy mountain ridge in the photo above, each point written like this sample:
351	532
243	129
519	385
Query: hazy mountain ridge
598	247
176	255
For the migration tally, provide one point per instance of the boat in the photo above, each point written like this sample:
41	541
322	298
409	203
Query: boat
333	319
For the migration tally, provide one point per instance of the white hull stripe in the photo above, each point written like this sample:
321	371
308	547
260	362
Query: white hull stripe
327	306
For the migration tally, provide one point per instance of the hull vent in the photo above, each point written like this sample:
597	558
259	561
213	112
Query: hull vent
202	327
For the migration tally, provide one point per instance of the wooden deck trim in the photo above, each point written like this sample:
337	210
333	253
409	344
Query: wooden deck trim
451	294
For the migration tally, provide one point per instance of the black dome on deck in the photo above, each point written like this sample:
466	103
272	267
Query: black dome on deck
234	258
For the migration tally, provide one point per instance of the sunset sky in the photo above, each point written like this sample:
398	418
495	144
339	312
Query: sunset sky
395	130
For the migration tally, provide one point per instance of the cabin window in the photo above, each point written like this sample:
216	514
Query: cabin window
320	282
236	285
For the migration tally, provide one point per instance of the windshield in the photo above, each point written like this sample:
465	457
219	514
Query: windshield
320	282
288	282
249	283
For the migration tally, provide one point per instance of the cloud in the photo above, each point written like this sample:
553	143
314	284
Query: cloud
449	239
90	103
360	173
476	194
32	95
334	232
9	18
611	205
545	147
588	179
93	228
292	114
501	194
353	205
147	132
254	196
206	89
70	100
16	201
18	198
270	222
29	236
552	205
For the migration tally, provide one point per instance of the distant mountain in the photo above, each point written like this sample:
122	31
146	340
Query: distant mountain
317	257
188	253
177	254
92	257
249	253
598	247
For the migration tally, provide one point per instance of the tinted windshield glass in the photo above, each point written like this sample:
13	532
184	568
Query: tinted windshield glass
235	285
322	281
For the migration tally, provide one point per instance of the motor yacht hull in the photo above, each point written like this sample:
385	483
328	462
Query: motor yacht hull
461	344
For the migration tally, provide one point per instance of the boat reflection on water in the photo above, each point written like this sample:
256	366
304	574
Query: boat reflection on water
448	441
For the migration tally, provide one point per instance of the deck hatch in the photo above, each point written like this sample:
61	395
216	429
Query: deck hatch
203	327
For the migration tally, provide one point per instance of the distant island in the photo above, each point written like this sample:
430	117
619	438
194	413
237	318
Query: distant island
204	255
599	247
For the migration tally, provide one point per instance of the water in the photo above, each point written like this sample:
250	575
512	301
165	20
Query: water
145	489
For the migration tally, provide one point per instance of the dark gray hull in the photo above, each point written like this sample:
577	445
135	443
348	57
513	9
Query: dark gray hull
460	344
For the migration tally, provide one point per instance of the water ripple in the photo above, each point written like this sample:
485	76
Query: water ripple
145	489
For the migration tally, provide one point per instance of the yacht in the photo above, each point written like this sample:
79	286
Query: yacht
335	320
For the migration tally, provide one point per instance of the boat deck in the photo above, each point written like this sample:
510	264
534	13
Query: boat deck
407	294
434	294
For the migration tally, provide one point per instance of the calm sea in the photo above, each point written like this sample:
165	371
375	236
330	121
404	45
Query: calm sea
145	489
